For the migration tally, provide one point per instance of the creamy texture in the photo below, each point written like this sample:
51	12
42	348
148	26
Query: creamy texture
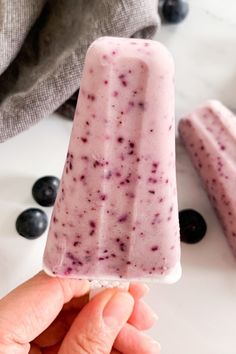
209	135
116	212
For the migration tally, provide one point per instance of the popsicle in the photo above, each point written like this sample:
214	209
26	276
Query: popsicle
116	216
209	135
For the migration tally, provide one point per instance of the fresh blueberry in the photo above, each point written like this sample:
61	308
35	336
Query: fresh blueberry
45	190
31	223
192	226
175	11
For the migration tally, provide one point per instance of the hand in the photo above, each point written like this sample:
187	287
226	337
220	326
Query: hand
49	315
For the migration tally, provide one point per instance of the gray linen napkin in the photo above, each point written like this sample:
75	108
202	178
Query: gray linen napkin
43	45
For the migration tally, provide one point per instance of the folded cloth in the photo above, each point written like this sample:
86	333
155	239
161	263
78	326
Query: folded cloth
43	45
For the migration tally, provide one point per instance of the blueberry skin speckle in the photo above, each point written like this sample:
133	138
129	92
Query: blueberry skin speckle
175	11
192	226
32	223
45	190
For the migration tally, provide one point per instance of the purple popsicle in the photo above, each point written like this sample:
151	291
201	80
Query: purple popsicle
116	214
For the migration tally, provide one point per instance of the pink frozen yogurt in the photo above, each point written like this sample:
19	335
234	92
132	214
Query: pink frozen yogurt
209	135
116	214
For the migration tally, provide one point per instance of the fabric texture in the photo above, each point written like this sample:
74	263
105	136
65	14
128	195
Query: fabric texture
43	45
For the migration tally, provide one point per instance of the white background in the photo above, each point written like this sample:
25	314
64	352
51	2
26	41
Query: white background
196	315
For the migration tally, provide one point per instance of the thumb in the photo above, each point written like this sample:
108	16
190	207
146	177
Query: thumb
98	324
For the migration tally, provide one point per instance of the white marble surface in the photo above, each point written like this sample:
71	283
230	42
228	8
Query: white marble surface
197	315
204	49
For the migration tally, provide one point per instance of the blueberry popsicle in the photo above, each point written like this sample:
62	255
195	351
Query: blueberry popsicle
209	135
116	216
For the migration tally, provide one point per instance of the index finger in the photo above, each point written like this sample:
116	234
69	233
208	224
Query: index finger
31	308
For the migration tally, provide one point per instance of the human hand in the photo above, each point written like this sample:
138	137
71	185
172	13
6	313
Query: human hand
49	315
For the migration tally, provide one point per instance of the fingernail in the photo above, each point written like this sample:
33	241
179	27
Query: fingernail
155	347
146	289
118	309
149	312
156	318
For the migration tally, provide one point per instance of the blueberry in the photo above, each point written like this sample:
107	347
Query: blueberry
192	226
45	190
31	223
175	11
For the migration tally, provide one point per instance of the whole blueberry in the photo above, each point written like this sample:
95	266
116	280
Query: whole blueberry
45	190
192	226
175	11
31	223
